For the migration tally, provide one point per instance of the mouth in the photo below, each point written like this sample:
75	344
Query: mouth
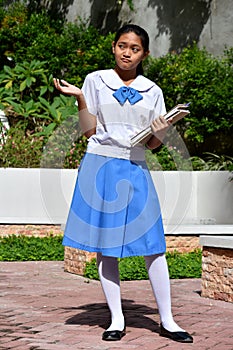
125	60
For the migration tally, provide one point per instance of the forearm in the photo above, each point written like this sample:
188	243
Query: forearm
153	143
87	120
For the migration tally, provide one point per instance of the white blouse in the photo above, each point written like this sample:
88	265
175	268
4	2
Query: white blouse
116	123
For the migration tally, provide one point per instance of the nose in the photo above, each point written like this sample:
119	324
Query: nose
127	52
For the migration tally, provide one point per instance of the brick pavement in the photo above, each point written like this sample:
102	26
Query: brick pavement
44	308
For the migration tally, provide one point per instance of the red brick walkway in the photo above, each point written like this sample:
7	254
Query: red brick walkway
44	308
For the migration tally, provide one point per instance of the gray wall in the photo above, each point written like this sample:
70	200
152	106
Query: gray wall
171	24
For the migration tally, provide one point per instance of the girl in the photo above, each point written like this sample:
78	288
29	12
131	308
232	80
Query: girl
115	210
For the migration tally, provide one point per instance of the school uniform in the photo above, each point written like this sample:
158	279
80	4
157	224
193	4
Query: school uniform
115	208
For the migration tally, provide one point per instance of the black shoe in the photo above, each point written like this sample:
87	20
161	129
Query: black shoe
182	337
113	335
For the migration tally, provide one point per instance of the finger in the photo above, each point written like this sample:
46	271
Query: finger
56	82
162	119
157	123
64	82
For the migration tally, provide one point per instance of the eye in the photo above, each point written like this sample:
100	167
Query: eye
135	49
121	46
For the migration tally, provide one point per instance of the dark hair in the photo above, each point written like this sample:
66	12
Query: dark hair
138	31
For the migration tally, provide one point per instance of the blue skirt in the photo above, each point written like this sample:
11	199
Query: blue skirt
115	209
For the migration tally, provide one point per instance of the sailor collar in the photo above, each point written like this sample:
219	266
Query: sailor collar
114	82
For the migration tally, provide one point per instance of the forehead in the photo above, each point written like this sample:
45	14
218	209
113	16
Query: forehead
130	38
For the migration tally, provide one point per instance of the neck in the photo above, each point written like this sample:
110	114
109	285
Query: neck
126	76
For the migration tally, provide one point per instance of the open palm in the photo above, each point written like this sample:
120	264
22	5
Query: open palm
66	88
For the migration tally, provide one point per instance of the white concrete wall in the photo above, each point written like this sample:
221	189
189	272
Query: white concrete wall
169	23
43	196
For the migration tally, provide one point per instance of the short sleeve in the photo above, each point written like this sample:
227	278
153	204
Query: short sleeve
160	108
90	93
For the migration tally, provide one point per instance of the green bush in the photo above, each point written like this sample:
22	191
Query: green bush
70	50
180	265
21	150
170	159
43	48
24	248
212	162
196	76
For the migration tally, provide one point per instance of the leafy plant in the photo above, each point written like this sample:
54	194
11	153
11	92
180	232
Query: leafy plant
168	158
214	162
24	248
20	149
69	50
196	76
180	265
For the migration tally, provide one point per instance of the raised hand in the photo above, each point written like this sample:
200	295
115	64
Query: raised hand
67	88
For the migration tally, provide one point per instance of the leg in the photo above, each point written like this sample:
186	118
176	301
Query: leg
110	281
159	279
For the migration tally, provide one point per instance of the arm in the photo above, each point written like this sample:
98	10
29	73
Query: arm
86	119
159	128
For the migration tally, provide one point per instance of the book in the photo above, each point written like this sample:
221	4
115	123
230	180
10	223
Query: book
176	113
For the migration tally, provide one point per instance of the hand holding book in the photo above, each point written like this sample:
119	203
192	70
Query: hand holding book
176	113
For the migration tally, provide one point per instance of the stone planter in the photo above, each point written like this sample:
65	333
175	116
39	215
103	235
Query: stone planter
217	267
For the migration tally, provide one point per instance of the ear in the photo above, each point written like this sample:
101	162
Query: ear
113	46
146	54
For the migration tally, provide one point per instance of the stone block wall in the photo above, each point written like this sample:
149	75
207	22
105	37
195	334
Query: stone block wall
75	260
217	273
182	244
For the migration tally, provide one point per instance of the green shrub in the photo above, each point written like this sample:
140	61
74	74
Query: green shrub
24	248
196	76
180	265
70	50
213	162
21	150
168	158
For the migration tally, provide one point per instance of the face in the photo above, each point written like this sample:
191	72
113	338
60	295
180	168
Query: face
128	51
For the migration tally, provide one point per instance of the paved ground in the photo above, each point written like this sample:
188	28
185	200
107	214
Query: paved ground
44	308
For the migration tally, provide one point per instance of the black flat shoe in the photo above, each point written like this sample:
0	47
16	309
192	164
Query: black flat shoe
182	337
113	335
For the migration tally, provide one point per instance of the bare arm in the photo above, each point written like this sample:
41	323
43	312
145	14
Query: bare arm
86	119
159	128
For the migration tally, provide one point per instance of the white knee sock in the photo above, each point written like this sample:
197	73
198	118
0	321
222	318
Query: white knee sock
159	279
109	278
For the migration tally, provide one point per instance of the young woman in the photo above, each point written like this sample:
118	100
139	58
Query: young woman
115	209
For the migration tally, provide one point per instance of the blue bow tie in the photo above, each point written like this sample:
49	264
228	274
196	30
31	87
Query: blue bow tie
129	93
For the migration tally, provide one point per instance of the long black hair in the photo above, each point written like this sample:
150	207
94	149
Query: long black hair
138	31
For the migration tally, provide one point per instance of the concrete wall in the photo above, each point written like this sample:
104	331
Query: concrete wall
171	24
43	196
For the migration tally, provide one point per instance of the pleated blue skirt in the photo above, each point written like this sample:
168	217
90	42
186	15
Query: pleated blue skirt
114	209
